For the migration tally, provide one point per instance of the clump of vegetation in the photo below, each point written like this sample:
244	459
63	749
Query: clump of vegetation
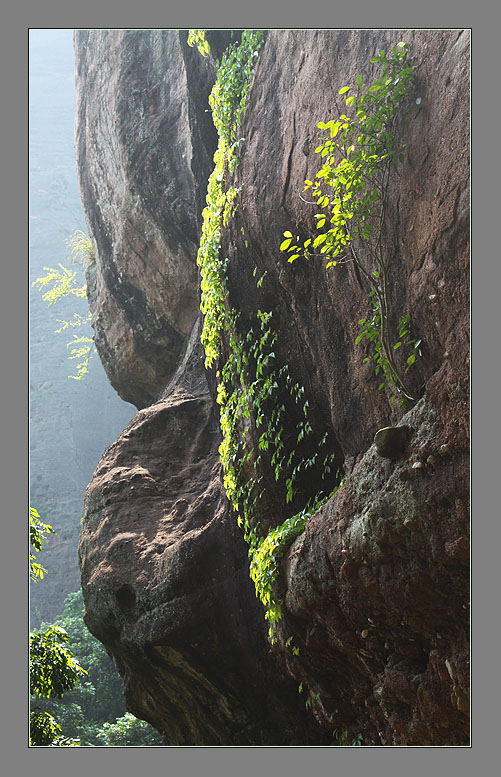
128	731
73	706
93	711
266	558
38	535
53	668
197	38
251	387
63	282
351	191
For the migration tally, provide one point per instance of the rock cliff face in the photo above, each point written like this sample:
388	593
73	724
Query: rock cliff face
144	150
375	590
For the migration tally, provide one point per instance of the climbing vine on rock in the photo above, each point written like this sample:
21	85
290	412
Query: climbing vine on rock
197	38
351	190
253	391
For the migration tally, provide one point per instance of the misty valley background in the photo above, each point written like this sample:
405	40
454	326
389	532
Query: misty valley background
71	422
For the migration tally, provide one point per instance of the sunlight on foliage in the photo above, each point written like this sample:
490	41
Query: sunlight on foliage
351	190
81	248
197	38
53	670
38	532
63	283
254	425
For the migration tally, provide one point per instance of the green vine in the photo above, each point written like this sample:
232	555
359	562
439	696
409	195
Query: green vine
197	38
253	391
267	555
351	189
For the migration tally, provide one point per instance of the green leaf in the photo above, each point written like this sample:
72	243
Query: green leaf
285	244
319	240
288	234
344	89
291	258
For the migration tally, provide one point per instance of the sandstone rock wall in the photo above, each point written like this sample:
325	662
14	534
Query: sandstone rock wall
400	526
144	143
375	590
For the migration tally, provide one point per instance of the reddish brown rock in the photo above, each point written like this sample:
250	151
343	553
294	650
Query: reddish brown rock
392	546
165	575
395	599
376	589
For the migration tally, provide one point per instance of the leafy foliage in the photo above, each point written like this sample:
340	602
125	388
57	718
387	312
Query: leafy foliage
46	731
227	101
371	331
228	98
197	38
81	248
128	731
251	387
351	190
92	696
61	283
38	532
98	698
53	669
268	552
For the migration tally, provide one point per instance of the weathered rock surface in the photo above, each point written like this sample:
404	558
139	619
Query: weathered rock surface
316	310
392	546
144	142
166	581
376	589
383	566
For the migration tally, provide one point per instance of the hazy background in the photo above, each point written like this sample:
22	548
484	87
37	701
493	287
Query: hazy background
71	422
